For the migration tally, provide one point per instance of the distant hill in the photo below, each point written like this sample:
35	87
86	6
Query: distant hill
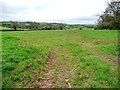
15	25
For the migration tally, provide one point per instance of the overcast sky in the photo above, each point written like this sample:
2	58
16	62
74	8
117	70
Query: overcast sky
63	11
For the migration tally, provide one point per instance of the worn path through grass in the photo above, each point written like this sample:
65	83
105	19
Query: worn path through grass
60	70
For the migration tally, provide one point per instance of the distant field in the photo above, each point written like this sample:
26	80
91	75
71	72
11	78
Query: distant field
4	28
59	58
8	29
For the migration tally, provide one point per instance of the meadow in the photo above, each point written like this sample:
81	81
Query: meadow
60	59
4	28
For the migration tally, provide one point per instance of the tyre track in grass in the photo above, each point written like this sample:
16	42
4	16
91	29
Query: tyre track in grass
48	80
60	70
45	76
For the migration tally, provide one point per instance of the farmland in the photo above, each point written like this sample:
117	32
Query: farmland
60	58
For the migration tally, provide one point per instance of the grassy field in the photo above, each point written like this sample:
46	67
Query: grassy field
59	58
4	28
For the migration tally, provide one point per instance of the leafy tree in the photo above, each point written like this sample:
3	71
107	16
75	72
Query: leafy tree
110	19
15	25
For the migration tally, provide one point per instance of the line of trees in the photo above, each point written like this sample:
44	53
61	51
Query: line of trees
15	25
110	19
33	26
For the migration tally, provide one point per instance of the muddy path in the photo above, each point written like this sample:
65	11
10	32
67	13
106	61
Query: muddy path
59	71
49	81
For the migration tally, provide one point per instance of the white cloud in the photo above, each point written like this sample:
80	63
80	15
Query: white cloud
51	10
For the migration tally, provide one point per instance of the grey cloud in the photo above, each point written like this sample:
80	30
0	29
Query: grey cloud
10	12
92	18
8	9
12	9
79	20
40	6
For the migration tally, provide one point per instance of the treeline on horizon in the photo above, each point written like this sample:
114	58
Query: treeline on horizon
15	25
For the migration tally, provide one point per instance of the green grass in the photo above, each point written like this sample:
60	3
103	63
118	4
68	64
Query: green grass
4	28
25	54
0	59
17	59
8	29
99	72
